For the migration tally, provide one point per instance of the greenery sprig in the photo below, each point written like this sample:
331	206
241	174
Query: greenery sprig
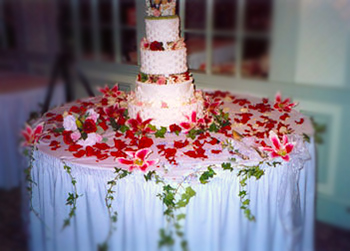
174	198
244	174
30	182
72	198
113	215
220	121
207	175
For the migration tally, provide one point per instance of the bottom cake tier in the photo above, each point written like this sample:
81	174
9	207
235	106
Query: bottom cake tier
166	116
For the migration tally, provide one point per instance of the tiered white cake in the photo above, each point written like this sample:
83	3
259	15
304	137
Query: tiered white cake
164	88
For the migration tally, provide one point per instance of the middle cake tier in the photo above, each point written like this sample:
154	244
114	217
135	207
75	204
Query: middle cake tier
163	62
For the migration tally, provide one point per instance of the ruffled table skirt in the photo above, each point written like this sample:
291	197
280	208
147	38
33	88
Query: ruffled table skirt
282	202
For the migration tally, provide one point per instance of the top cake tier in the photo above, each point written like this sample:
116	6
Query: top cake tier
162	29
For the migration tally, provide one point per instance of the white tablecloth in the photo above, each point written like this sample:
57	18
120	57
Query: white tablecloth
214	218
20	95
282	201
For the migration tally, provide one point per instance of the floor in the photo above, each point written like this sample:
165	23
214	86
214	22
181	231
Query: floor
13	238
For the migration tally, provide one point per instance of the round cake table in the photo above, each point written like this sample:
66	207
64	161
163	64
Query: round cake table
71	185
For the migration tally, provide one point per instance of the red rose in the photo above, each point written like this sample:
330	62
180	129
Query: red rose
66	137
89	126
74	109
145	142
103	125
175	128
156	46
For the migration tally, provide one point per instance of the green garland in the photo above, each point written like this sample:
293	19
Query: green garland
72	198
173	200
113	216
30	181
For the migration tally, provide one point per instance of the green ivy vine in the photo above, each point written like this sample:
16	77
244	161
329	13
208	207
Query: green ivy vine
30	182
72	198
174	199
113	215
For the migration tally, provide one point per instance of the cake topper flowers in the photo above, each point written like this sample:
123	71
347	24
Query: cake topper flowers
158	8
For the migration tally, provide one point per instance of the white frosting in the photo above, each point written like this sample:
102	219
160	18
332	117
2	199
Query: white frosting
162	30
166	116
163	62
173	95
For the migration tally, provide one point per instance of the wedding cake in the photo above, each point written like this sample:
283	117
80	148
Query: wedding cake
164	87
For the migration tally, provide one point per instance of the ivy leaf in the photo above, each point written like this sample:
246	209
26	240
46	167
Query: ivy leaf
306	137
58	130
149	175
152	127
161	132
242	193
213	128
185	197
144	77
192	133
204	178
181	217
66	223
103	247
190	192
165	239
227	166
246	202
124	128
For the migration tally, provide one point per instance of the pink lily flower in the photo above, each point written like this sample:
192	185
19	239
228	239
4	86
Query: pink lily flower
279	149
212	107
32	135
107	92
138	126
139	159
285	105
191	122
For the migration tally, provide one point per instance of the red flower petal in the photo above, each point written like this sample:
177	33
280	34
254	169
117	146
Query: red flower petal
289	147
124	161
79	154
276	142
286	158
143	153
181	144
300	121
145	142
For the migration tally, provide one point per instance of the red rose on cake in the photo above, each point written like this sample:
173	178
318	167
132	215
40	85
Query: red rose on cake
156	46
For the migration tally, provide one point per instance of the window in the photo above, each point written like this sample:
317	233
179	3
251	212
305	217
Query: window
223	37
102	30
229	37
7	26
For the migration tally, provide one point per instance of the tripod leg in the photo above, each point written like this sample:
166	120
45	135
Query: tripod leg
53	77
67	82
85	83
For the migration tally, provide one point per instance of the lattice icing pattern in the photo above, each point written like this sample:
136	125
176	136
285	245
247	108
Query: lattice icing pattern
163	62
172	95
162	30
